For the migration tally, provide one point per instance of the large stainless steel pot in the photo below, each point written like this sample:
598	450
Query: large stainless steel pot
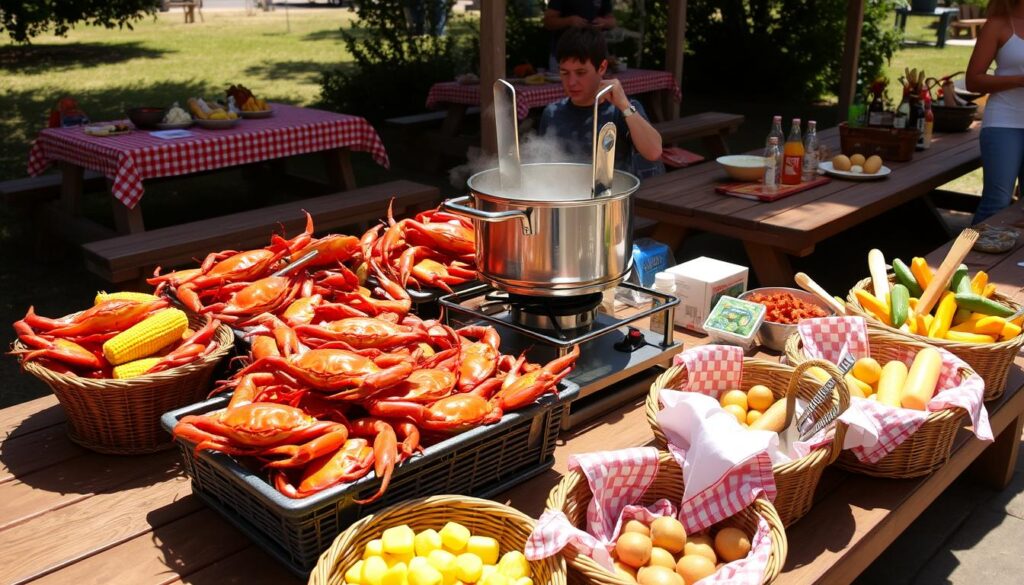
551	237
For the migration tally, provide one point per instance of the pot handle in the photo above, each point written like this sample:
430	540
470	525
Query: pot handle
458	207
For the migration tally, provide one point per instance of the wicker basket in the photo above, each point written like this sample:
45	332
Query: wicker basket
510	527
122	417
924	451
572	496
991	361
893	144
795	481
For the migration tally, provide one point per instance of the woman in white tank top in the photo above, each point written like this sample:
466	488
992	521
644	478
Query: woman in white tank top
1002	132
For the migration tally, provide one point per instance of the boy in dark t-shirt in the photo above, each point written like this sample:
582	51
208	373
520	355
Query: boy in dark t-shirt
582	61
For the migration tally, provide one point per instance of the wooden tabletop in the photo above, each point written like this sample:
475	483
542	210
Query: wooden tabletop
68	515
794	225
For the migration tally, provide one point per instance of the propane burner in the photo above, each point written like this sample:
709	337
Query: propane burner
559	314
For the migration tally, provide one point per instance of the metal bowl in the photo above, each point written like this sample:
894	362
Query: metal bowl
774	335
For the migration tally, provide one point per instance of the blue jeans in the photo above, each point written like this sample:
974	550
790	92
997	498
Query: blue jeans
1002	163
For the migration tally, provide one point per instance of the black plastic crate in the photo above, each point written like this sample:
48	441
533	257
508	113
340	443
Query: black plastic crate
480	462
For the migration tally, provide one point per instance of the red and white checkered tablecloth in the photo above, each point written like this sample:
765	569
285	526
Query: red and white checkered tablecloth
634	81
132	158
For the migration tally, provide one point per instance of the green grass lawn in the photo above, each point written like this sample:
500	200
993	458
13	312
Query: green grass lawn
278	55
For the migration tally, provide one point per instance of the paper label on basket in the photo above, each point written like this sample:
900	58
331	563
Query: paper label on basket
712	369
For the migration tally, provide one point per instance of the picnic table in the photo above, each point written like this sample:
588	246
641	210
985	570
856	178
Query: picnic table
129	160
458	97
774	232
68	515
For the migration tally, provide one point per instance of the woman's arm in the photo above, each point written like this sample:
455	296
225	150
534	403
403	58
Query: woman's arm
977	78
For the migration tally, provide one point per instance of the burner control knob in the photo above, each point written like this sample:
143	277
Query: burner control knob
632	341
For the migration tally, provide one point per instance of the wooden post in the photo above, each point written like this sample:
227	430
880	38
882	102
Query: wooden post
851	55
492	67
675	41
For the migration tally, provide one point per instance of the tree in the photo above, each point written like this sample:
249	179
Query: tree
24	19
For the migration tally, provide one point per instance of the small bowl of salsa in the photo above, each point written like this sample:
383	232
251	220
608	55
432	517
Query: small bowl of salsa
784	308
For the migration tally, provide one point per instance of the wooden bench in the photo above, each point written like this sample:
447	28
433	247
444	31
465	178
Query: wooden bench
970	20
710	127
130	257
189	6
28	191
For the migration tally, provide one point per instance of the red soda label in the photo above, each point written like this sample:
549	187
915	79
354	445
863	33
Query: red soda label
791	169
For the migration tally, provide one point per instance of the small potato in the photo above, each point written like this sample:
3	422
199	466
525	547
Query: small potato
857	159
856	169
873	164
841	162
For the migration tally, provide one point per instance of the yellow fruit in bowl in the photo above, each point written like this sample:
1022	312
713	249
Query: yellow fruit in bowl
669	534
731	544
738	412
753	415
636	526
633	549
701	544
232	116
693	568
857	159
759	397
841	162
867	370
735	397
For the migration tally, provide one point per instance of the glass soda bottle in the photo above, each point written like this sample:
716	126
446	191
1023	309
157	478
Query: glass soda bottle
793	156
772	165
929	120
810	169
776	131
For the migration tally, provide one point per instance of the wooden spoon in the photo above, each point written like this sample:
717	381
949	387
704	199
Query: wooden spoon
805	282
940	281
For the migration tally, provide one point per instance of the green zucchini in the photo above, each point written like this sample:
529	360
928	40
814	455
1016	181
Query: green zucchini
963	286
980	304
961	315
905	277
899	301
958	276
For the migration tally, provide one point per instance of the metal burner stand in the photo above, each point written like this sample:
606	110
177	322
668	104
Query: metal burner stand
615	357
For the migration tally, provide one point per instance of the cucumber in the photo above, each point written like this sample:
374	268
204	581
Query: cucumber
962	286
905	277
958	277
980	304
899	304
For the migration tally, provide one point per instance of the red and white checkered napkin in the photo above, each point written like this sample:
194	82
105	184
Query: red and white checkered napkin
711	369
876	429
618	479
725	466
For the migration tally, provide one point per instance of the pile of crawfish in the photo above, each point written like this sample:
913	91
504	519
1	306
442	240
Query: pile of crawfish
322	404
434	249
73	345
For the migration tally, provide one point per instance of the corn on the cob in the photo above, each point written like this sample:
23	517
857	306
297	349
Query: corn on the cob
124	296
146	337
135	368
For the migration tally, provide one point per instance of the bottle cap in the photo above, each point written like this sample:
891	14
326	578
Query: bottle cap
796	120
664	281
811	123
776	118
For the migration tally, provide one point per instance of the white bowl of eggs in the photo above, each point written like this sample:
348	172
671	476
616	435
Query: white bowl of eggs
855	167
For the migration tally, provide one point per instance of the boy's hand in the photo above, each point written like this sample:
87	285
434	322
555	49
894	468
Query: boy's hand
575	20
602	22
617	96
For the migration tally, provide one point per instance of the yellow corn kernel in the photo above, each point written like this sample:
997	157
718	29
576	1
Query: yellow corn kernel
146	337
468	567
523	581
398	540
454	537
424	574
426	541
124	295
487	570
444	562
514	565
484	547
374	548
135	368
396	575
374	569
393	560
354	574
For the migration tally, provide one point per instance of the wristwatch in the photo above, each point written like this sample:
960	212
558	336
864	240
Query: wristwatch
628	111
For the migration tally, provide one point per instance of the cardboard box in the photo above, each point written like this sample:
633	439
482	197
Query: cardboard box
700	283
